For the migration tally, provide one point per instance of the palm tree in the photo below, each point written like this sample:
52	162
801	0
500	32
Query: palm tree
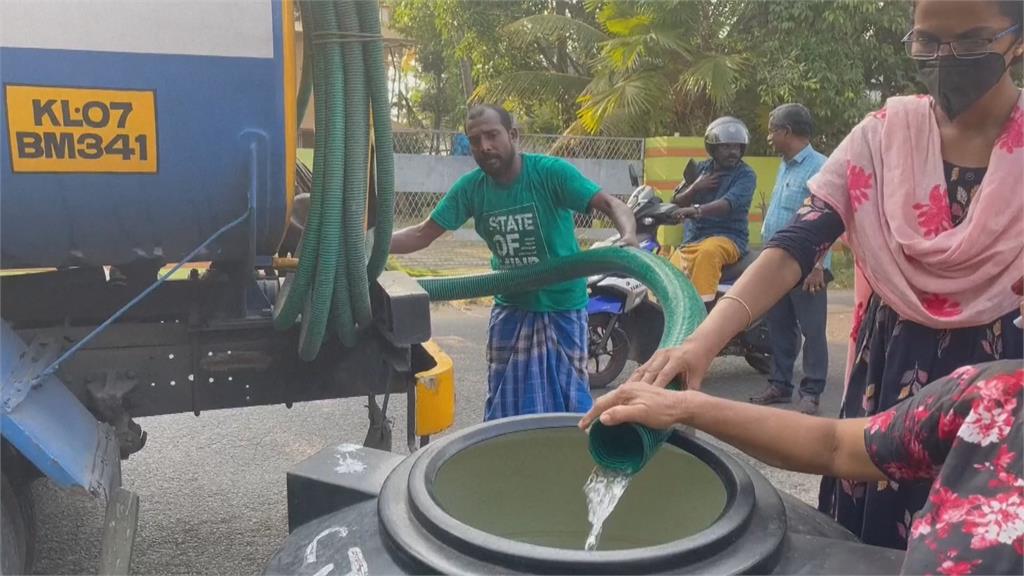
559	48
649	66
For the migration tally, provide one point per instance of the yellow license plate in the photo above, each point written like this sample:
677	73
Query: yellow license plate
58	129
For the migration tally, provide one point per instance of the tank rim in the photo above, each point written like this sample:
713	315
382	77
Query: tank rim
475	543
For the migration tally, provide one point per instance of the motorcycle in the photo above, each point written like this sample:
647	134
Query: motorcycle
624	323
752	344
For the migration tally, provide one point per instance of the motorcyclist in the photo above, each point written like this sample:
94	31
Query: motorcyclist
716	205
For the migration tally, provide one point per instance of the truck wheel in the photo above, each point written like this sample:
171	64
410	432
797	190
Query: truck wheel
605	362
13	533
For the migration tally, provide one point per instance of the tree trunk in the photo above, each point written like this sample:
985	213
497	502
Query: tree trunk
467	78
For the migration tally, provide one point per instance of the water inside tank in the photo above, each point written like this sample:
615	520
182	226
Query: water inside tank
528	486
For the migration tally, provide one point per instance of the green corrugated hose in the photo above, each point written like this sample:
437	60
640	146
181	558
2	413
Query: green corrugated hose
331	91
352	291
296	296
331	282
626	447
384	152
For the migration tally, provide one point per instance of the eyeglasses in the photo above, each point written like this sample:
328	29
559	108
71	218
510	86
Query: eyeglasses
926	49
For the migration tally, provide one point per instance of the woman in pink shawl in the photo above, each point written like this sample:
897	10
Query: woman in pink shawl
929	192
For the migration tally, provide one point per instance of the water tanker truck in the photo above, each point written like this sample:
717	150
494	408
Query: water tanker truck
147	136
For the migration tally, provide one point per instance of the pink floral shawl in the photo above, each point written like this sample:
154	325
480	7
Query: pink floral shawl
886	181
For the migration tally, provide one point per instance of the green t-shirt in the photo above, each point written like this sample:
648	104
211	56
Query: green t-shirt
525	222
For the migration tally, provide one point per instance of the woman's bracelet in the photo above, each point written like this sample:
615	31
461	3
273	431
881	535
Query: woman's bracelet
750	315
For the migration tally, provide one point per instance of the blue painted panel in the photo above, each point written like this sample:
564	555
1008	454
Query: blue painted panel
601	303
203	105
650	245
54	430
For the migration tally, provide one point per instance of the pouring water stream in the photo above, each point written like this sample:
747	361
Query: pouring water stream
603	489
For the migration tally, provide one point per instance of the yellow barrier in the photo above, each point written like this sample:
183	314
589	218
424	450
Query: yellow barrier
664	160
435	394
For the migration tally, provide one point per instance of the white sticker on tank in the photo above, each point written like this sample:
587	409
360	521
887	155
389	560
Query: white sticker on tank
349	465
311	549
358	563
356	560
325	570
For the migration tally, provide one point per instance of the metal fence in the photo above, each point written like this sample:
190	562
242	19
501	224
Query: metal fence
413	206
464	251
445	143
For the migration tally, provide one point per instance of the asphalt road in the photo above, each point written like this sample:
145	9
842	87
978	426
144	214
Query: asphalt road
212	487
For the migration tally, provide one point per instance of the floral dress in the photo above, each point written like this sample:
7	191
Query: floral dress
963	436
894	359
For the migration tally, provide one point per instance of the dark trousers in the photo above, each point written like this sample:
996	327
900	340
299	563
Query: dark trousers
799	313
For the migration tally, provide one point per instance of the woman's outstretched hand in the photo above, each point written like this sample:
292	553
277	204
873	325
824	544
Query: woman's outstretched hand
688	361
637	403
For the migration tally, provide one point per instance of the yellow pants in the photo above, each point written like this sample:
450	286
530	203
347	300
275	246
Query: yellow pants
703	261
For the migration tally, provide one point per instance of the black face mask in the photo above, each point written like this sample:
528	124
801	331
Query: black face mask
956	84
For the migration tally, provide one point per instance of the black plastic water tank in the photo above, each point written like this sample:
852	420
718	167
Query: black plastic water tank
506	497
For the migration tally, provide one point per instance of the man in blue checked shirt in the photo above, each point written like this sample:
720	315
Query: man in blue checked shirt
804	310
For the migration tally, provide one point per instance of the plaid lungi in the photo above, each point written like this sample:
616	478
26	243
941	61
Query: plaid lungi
537	362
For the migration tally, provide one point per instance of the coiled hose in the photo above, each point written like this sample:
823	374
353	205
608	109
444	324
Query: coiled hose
330	288
344	66
351	305
384	152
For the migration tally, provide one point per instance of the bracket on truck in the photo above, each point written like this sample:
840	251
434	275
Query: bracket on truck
50	427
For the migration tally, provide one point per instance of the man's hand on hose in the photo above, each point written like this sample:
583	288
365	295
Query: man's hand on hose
688	361
628	240
620	215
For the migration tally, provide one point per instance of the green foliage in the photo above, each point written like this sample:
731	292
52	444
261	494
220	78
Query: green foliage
544	62
649	67
842	269
479	35
436	97
840	58
544	27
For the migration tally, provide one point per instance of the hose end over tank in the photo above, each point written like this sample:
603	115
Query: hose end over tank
625	447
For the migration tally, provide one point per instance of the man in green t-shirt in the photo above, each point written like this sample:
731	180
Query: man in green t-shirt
522	205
